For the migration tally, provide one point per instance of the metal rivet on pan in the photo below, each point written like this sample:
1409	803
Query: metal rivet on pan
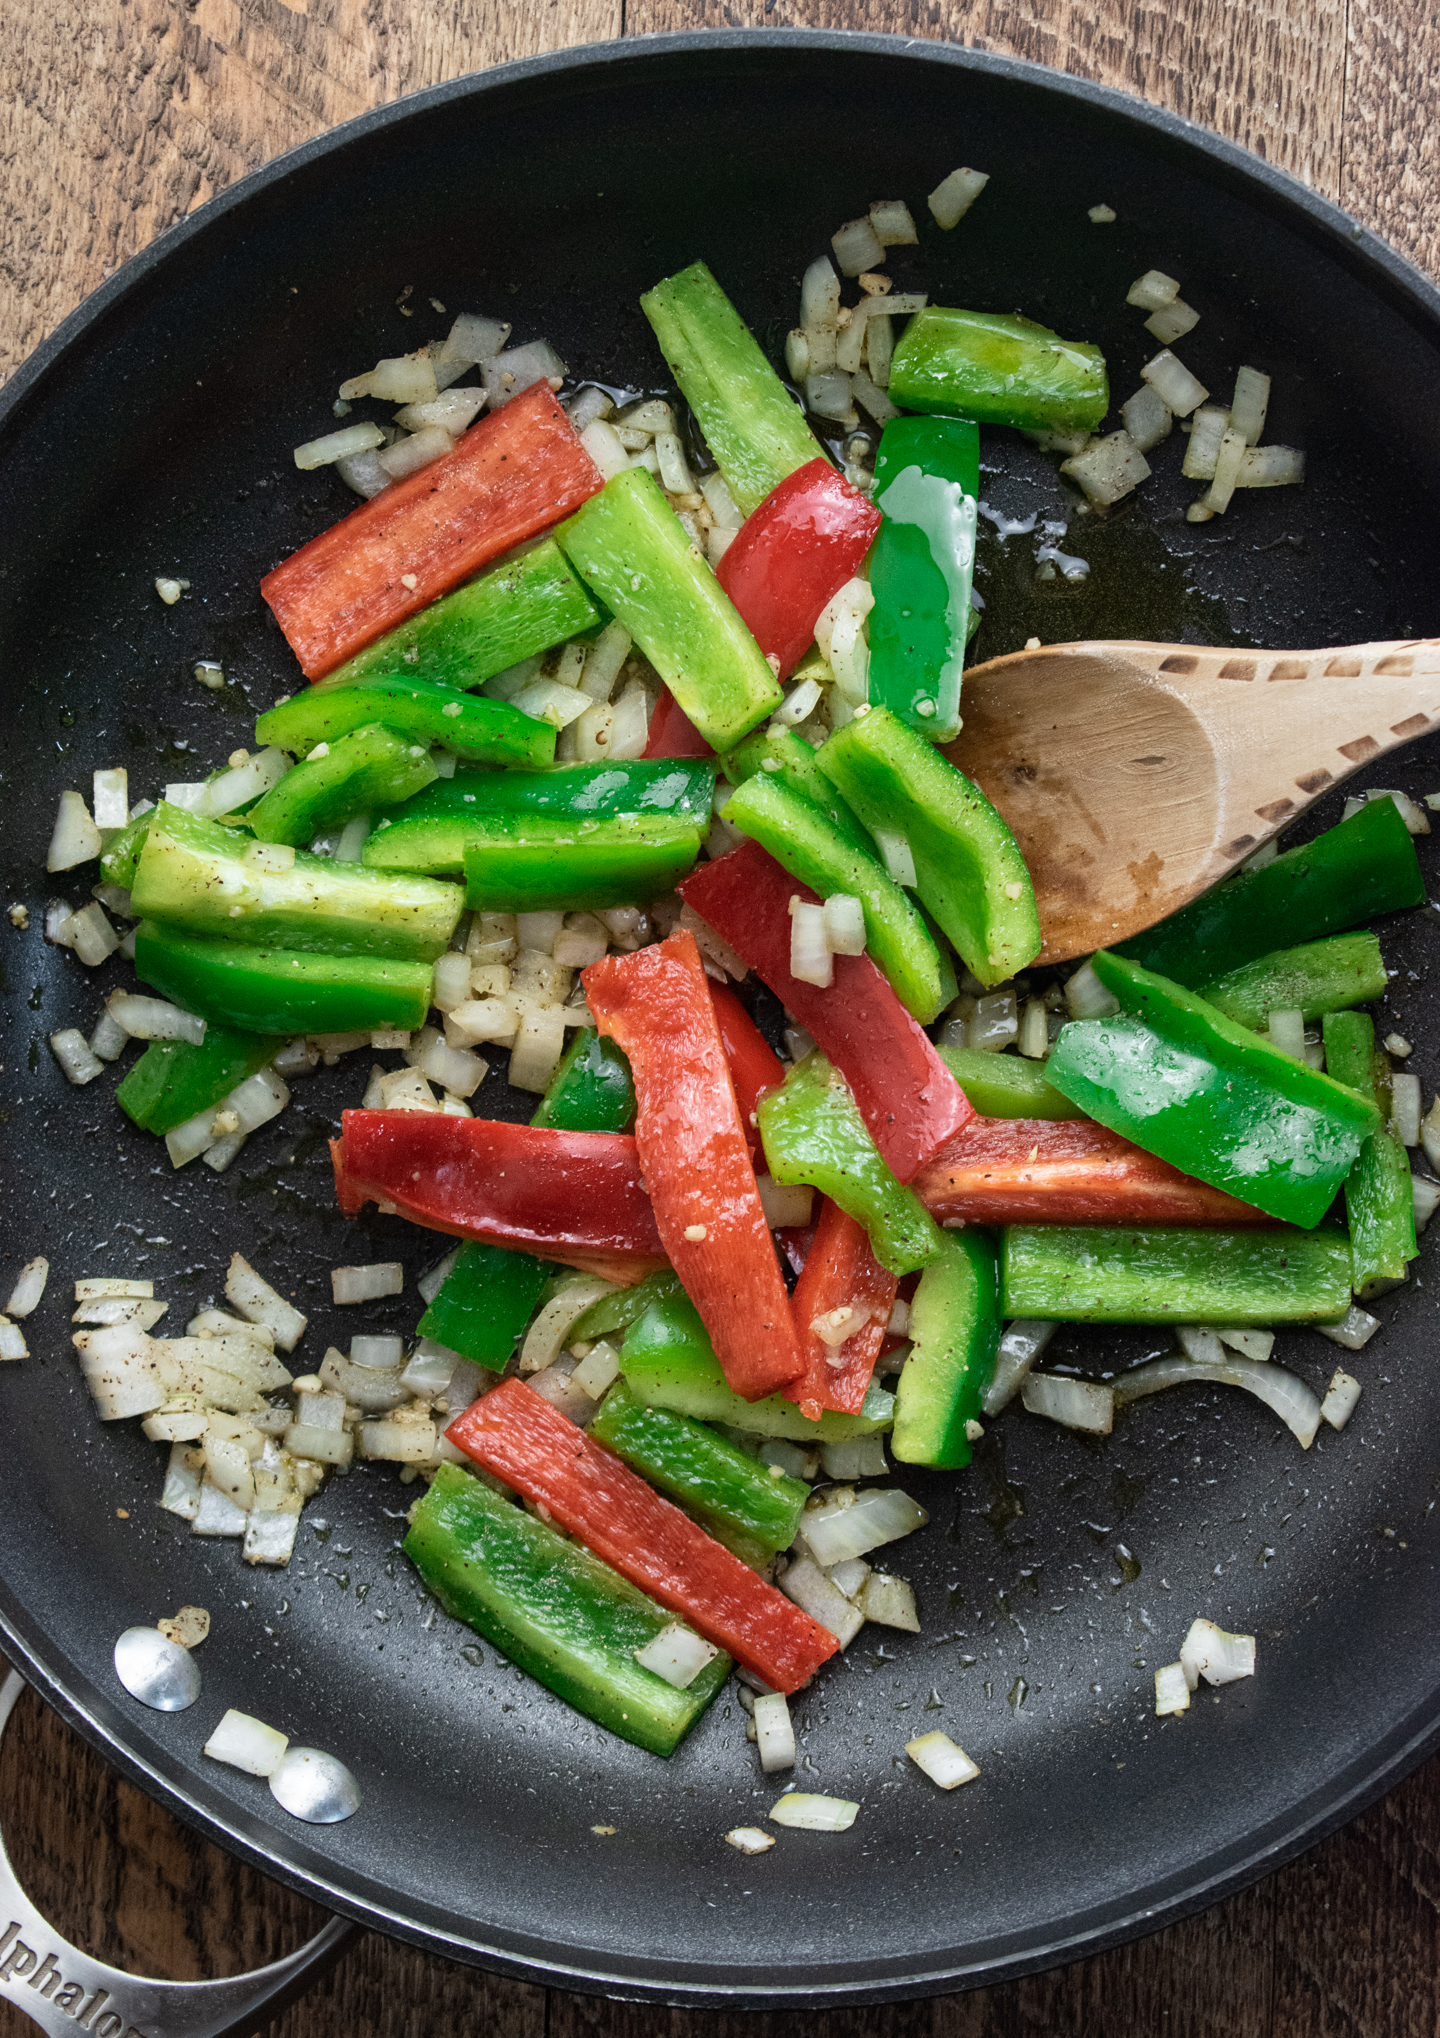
157	1671
314	1786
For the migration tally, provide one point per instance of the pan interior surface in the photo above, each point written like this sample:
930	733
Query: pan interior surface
1059	1571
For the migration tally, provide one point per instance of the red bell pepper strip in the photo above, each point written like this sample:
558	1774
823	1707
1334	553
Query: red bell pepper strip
1065	1171
655	1005
909	1100
575	1197
672	733
792	554
515	473
841	1273
754	1065
528	1443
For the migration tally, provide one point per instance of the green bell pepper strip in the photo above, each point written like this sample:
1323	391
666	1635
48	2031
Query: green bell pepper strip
554	1609
999	370
526	603
636	554
1354	871
591	1089
955	1334
281	990
746	416
173	1080
1379	1197
1215	1100
545	866
486	731
1006	1085
812	1132
802	837
431	832
121	853
968	868
626	1306
710	1477
669	1362
927	479
213	880
1319	977
369	767
485	1302
781	754
1109	1274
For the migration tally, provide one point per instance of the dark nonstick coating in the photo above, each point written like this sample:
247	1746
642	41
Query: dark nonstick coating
153	435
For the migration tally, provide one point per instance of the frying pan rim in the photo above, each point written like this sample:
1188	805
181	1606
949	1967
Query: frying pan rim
1386	273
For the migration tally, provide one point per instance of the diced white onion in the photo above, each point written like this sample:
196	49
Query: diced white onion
1287	1032
154	1019
1405	1108
420	449
551	1329
631	729
1208	429
582	940
227	1464
181	1492
539	1044
1199	1343
855	1458
750	1840
1227	467
247	1744
220	1152
1271	467
75	838
1340	1399
1152	291
339	445
993	1024
29	1287
890	1602
1033	1037
1086	997
506	375
602	442
217	1514
814	1813
1076	1404
587	405
90	934
810	958
112	798
453	411
893	224
1108	468
1101	215
1354	1330
675	472
170	590
1020	1346
786	1206
109	1040
1172	322
399	1442
677	1654
242	783
470	340
257	1100
1252	400
774	1732
406	378
548	701
880	1515
1254	1344
844	919
942	1760
598	1371
1178	388
828	394
254	1299
799	704
1296	1405
1147	417
363	473
453	1068
1172	1690
954	195
12	1340
806	1584
1209	1652
368	1284
72	1051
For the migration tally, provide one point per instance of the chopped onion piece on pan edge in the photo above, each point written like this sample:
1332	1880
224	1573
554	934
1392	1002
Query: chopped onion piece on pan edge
29	1287
1209	1652
750	1839
1354	1330
1340	1399
774	1733
1172	1691
247	1743
814	1813
942	1760
1295	1403
1076	1404
367	1284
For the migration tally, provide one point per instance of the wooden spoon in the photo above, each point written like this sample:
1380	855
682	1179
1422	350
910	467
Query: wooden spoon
1136	775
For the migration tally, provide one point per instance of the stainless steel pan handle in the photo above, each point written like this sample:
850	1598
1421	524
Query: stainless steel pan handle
63	1990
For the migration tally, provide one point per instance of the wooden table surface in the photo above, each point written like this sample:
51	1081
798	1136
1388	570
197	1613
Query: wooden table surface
117	117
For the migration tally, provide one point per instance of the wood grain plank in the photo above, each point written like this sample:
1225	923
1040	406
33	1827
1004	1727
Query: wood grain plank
1392	147
1267	73
119	117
